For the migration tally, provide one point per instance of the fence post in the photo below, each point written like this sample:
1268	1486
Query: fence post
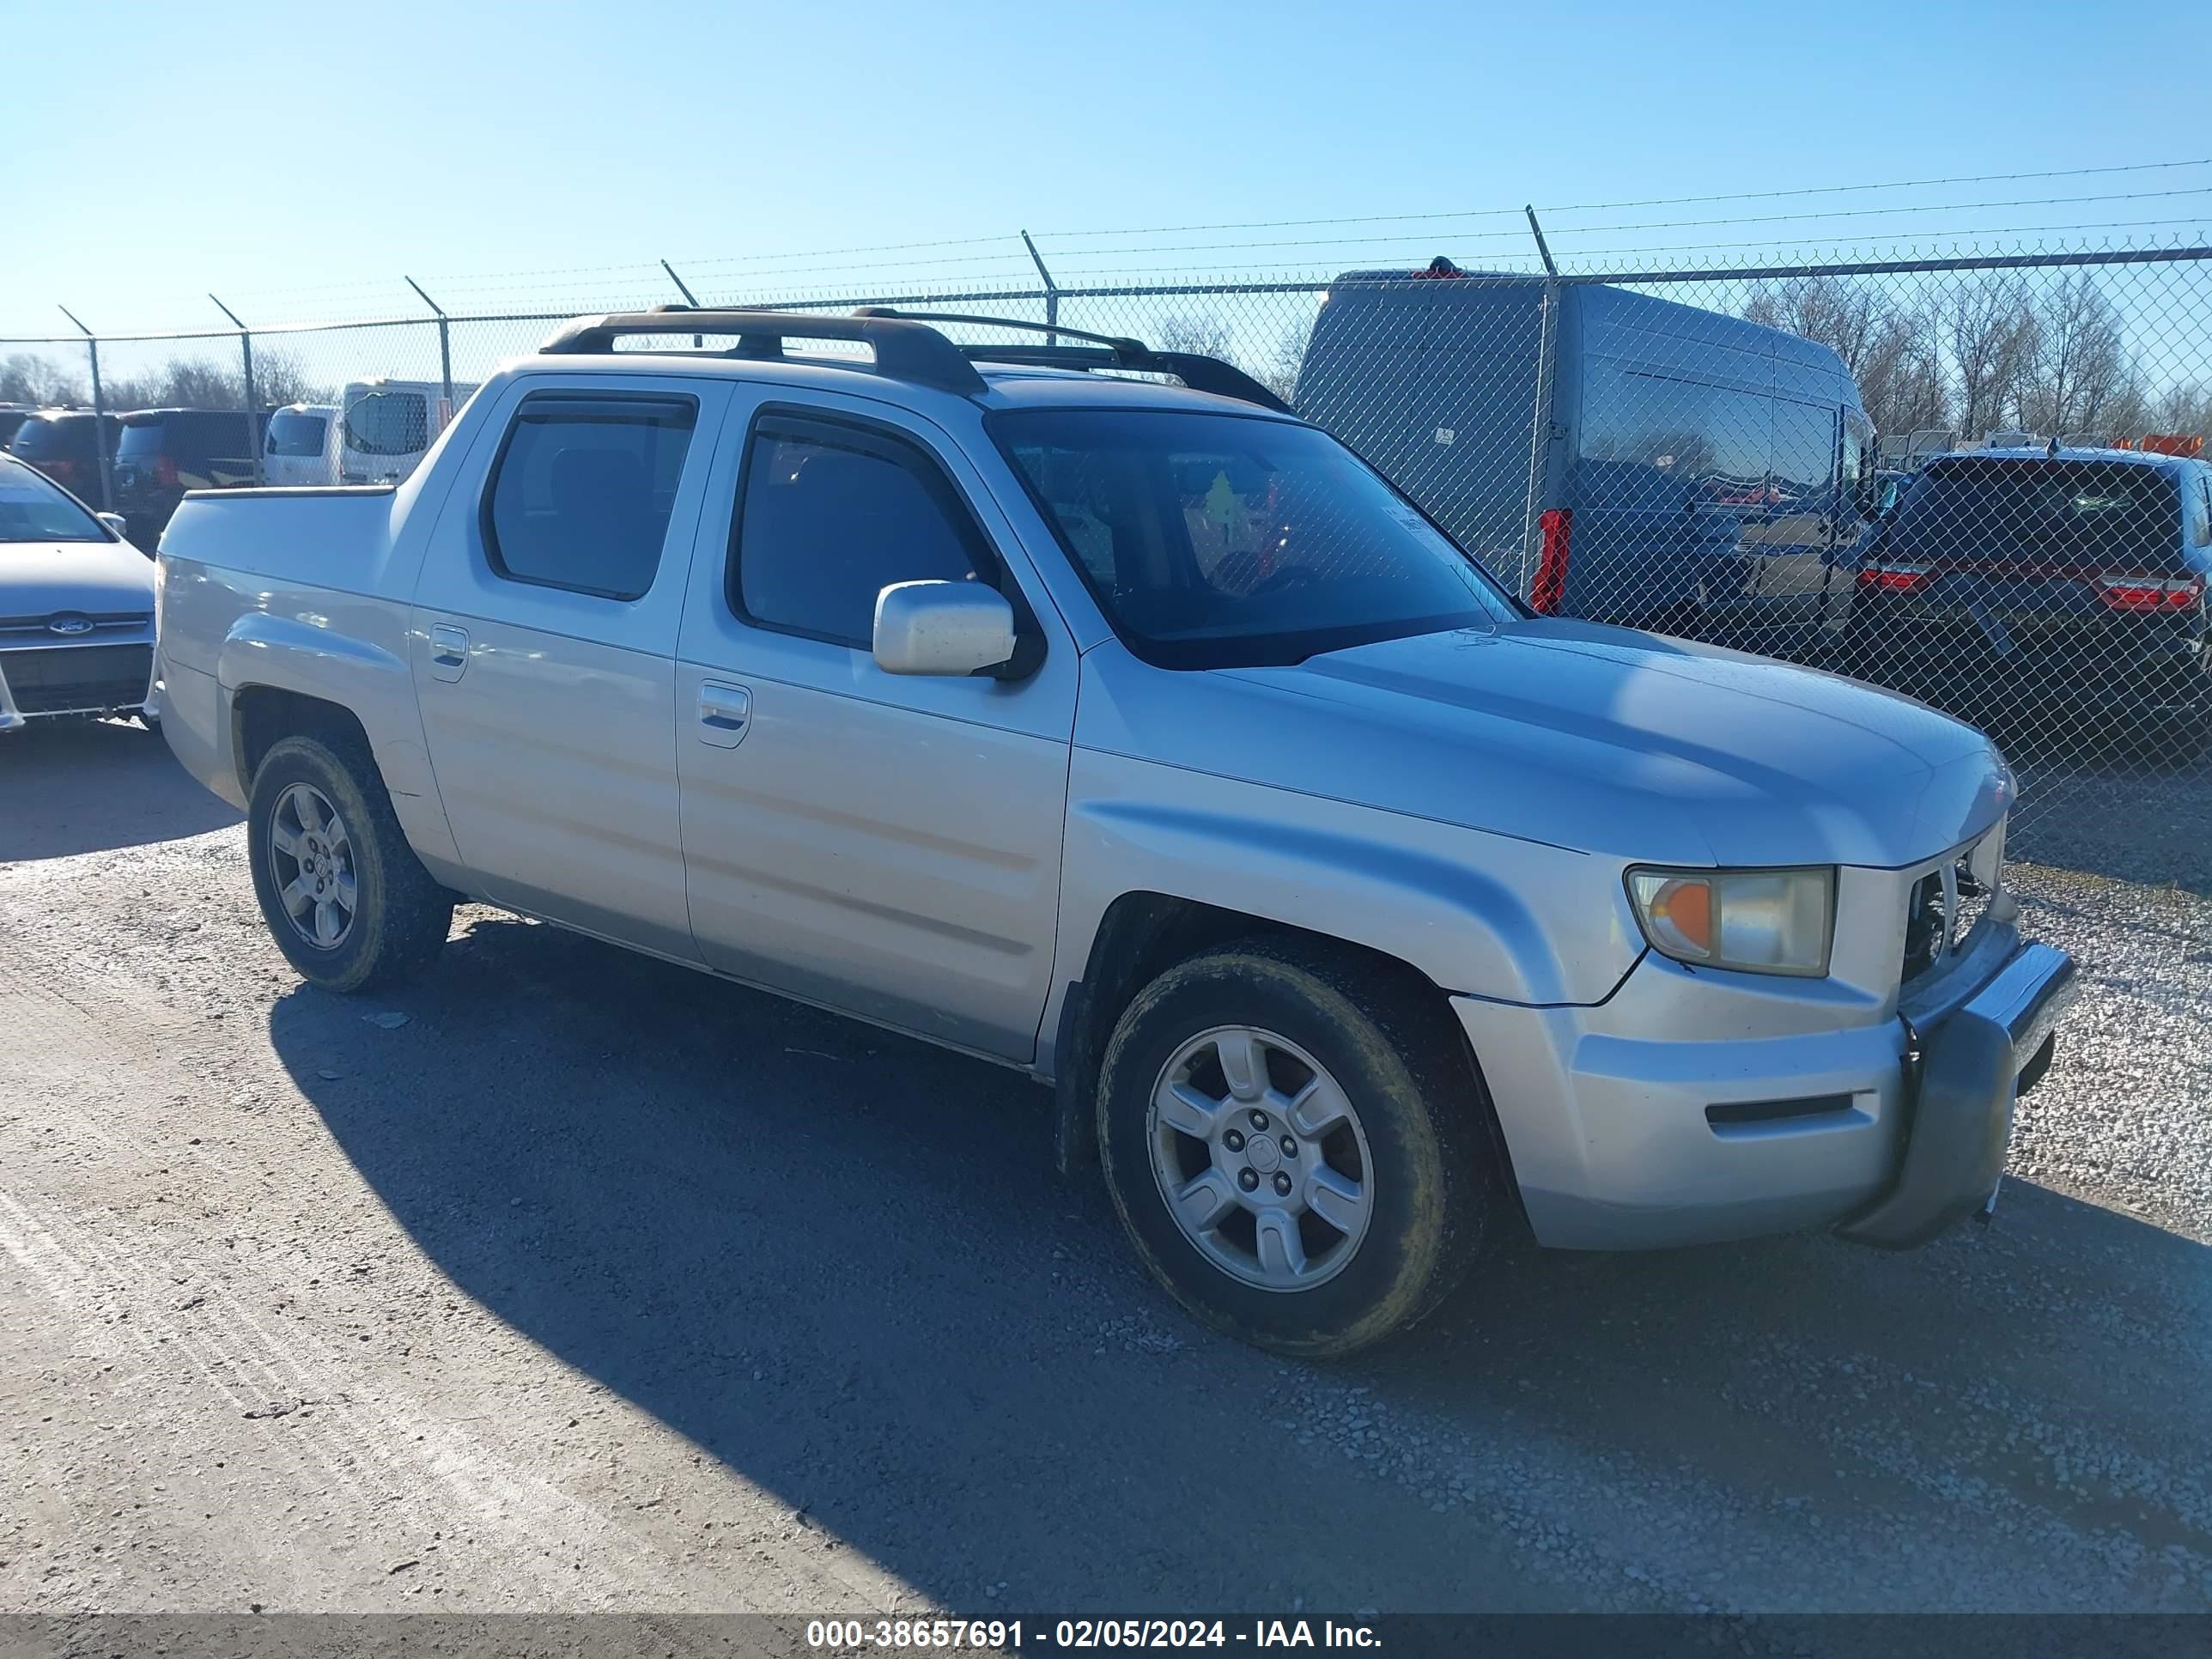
444	348
253	440
1051	288
98	416
1540	424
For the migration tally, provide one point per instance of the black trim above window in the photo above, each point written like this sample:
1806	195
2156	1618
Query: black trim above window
603	408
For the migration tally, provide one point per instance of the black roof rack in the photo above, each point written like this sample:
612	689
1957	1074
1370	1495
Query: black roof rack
905	350
1194	368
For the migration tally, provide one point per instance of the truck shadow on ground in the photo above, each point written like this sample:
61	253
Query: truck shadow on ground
839	1262
100	785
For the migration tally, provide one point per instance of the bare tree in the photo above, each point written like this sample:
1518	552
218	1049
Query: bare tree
1280	373
2079	374
26	378
1991	325
1848	318
1204	333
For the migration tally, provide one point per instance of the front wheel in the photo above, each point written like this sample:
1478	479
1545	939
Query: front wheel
343	895
1295	1154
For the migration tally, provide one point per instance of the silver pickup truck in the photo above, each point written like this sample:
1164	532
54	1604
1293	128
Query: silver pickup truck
1139	737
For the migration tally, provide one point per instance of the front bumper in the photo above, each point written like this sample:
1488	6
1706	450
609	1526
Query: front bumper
1623	1135
1964	1076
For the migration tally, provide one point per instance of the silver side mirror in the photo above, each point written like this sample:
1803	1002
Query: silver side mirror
117	523
942	628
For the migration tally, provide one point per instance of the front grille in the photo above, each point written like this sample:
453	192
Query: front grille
68	680
103	622
1939	916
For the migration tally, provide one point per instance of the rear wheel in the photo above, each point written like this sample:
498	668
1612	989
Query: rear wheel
1294	1152
344	896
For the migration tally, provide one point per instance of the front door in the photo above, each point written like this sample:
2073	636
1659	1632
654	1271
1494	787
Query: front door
544	641
883	844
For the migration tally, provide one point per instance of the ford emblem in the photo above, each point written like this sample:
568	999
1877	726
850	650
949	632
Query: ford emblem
68	626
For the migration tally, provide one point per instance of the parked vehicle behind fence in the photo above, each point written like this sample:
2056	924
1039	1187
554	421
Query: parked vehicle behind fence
2074	579
59	443
387	425
163	452
76	608
300	446
1696	473
1141	738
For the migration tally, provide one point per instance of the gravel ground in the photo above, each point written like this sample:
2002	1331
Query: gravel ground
566	1279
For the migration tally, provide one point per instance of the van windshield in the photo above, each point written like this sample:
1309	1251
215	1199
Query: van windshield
1217	541
388	423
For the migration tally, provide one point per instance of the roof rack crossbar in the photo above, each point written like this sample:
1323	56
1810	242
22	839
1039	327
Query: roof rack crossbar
1194	368
905	350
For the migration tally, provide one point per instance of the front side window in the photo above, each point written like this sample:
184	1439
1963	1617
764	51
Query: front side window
34	510
834	514
581	493
388	423
1226	540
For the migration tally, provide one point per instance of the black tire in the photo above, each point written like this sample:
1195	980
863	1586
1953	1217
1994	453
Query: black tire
401	916
1391	1048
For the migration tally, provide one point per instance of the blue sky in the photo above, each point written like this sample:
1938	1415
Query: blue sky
297	159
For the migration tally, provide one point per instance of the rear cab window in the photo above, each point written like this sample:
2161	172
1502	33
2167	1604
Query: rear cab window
580	494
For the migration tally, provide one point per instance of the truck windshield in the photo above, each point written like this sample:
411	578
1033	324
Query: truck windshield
33	510
1218	541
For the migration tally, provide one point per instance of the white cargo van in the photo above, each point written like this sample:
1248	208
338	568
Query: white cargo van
386	427
301	445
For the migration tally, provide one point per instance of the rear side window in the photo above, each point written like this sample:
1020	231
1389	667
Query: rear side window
832	515
581	495
1804	452
389	423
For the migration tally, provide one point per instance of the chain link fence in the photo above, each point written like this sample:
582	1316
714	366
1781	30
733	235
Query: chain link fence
1973	479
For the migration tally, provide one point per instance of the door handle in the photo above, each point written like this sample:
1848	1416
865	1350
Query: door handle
725	711
449	651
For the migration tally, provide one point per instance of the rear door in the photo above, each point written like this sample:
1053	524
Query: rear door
544	635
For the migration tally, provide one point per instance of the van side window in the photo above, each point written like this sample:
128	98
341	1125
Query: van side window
833	514
2199	498
1804	452
1663	443
580	494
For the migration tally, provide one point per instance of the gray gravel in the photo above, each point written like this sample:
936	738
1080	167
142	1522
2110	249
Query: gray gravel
567	1279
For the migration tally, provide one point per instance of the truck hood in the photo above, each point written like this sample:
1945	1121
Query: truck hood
38	579
1597	739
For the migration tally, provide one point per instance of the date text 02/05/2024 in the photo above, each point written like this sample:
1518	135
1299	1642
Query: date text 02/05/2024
1012	1635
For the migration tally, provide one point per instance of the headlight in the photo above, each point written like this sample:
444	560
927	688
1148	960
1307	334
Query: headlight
1763	921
